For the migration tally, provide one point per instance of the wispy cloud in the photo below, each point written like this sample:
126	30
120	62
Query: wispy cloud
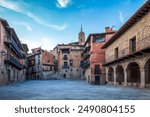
18	8
55	27
62	3
121	17
28	27
10	5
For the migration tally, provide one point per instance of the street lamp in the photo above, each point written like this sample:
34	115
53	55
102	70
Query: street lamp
3	53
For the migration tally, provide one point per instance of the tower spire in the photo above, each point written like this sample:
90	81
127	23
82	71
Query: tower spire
81	28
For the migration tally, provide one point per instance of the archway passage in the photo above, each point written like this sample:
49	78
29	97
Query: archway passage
133	73
147	73
120	75
111	74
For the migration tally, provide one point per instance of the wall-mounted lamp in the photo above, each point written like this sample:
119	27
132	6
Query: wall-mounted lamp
3	53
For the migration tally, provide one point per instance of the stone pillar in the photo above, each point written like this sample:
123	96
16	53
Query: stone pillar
125	77
142	73
107	74
114	76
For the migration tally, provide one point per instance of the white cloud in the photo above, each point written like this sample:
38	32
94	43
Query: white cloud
54	27
121	17
17	8
63	3
10	5
28	27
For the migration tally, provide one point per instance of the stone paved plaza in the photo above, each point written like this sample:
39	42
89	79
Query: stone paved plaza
69	90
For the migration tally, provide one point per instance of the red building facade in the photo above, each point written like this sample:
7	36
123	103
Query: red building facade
94	56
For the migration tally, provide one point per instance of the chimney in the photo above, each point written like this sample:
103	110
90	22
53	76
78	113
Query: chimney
108	29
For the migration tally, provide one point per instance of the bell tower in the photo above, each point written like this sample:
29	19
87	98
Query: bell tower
81	37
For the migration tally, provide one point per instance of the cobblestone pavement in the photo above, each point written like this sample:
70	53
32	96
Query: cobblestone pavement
68	90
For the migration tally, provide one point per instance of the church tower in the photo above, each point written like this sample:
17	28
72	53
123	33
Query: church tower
81	37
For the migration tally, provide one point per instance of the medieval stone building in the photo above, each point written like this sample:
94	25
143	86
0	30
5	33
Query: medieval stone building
13	55
128	51
40	64
69	58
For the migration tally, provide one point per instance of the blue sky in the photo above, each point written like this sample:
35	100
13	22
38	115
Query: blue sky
46	23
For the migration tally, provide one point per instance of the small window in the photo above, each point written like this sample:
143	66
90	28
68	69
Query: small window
65	57
99	39
133	45
71	62
97	69
65	64
116	53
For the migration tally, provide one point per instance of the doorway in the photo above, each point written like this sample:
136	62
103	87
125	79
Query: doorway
97	80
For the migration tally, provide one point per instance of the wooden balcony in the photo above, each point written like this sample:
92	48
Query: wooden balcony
13	45
10	60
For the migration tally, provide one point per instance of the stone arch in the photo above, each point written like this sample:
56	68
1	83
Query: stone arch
119	74
133	73
111	74
147	73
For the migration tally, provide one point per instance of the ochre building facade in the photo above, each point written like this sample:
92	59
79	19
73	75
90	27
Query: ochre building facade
69	58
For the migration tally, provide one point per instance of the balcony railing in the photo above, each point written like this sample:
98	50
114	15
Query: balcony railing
13	61
65	67
140	45
97	71
9	40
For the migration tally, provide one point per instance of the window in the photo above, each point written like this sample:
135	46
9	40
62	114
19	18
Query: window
65	57
65	51
50	68
133	45
116	53
71	62
97	69
65	64
81	63
99	39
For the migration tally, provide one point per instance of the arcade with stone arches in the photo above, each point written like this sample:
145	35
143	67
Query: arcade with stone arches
134	73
